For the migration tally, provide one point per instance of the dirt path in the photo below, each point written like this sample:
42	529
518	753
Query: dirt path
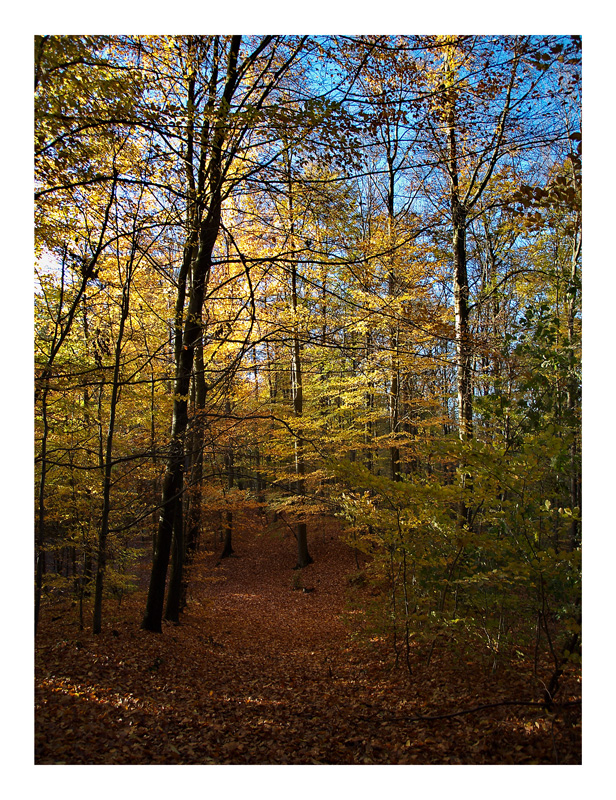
260	673
262	601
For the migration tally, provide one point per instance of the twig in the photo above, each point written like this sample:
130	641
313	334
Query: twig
532	703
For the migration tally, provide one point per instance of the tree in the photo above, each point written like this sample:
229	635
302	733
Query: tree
76	91
219	137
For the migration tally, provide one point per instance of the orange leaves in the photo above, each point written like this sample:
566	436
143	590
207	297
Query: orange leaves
260	674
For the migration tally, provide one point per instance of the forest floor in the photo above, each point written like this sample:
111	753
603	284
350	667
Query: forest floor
259	672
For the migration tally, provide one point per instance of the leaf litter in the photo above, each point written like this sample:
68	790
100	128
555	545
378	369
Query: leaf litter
260	673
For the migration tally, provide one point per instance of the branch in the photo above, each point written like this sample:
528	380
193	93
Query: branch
469	201
531	703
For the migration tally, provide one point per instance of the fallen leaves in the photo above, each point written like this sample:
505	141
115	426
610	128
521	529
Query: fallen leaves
260	674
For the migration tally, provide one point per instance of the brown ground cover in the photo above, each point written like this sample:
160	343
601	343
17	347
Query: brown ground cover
261	673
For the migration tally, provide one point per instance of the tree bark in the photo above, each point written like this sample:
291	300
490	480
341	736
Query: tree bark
108	464
463	347
460	288
40	533
573	396
460	291
174	595
43	390
228	516
303	556
194	515
192	329
394	332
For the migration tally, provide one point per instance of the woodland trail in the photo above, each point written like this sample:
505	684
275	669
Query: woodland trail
262	673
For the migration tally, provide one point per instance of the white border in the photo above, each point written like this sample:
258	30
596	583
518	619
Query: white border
593	21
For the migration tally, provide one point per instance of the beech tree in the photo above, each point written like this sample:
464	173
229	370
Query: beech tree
213	136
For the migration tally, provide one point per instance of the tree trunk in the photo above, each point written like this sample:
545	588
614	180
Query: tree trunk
394	331
369	400
173	481
227	548
40	533
303	556
108	464
43	390
463	349
573	399
460	291
394	405
194	520
174	595
192	331
228	526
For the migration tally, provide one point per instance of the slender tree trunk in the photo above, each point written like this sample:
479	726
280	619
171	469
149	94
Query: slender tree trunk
572	400
459	213
64	324
463	349
460	289
108	463
183	549
369	400
87	569
394	332
303	556
40	533
228	516
394	405
43	390
461	294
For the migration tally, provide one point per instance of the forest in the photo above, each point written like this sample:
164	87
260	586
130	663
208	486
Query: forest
307	374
